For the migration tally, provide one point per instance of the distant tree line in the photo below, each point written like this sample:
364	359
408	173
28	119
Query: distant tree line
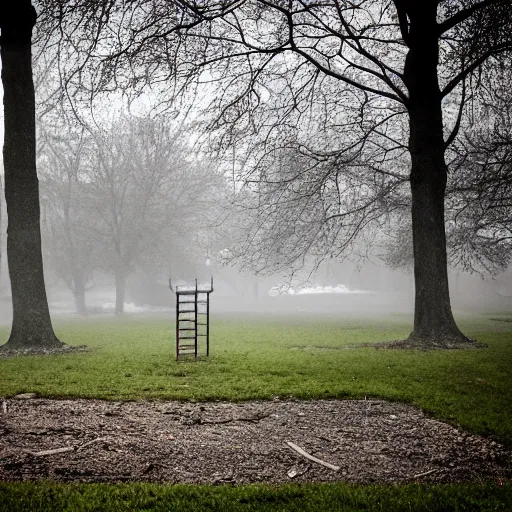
120	197
343	115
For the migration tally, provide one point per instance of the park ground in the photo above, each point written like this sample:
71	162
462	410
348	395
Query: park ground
424	430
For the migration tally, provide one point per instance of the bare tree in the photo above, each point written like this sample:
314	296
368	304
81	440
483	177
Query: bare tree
31	325
64	166
479	194
326	59
31	320
336	76
304	208
480	191
144	190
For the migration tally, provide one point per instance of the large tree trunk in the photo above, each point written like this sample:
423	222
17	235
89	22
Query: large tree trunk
433	319
31	326
120	280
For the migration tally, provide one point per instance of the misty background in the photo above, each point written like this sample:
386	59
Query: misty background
132	197
129	205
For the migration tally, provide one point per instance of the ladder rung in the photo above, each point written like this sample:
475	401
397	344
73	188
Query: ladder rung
186	311
187	346
202	335
187	337
186	320
186	329
201	323
186	301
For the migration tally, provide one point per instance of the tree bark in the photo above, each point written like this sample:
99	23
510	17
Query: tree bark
433	318
31	326
120	280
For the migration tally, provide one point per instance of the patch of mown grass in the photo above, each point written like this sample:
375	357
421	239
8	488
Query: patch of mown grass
260	357
52	497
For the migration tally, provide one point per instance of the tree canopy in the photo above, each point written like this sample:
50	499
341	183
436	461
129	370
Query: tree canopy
357	99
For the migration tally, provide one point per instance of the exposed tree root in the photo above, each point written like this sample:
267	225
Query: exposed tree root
8	350
447	343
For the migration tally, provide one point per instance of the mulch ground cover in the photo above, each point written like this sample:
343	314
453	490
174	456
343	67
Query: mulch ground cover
367	441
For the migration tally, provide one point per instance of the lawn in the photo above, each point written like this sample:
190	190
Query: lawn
259	357
48	497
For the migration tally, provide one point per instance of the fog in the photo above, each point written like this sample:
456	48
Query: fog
343	290
179	217
371	290
292	205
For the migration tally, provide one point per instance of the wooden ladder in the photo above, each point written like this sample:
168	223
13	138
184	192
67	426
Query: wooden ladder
192	318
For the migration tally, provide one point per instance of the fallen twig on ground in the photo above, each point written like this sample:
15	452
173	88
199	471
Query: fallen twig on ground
65	448
299	450
88	443
252	419
419	475
53	451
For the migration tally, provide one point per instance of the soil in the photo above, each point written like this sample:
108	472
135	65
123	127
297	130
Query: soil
433	344
236	443
7	352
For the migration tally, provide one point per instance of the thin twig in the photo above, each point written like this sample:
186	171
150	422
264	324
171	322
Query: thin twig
299	450
66	449
88	443
53	451
426	473
251	419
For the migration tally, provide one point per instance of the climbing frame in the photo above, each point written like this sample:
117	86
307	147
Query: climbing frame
192	318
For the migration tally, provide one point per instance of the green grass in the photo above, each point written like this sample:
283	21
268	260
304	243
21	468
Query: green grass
50	497
260	357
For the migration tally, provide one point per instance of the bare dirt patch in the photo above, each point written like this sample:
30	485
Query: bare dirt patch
8	352
435	344
401	344
370	441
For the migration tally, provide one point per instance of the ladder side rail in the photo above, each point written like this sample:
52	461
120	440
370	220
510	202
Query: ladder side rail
207	324
195	322
177	326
